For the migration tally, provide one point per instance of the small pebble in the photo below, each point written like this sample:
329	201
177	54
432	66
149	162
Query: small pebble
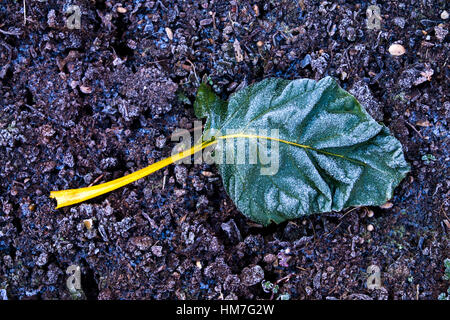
351	34
440	32
47	131
88	223
387	205
118	61
42	259
256	10
181	174
51	18
400	22
370	214
444	15
206	22
108	163
86	89
397	49
207	173
169	33
131	44
228	30
269	258
157	251
252	275
121	10
423	123
160	141
370	228
179	192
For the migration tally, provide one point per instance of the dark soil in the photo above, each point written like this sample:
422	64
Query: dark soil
90	105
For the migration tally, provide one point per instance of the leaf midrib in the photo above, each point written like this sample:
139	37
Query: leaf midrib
254	136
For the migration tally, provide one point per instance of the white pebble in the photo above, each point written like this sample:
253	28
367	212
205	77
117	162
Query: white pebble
169	33
387	205
397	49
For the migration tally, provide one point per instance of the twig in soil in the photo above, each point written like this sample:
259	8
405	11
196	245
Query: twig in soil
35	111
274	41
286	278
193	68
11	33
157	61
254	225
19	183
417	131
161	4
443	212
214	20
339	224
7	46
97	180
24	13
182	219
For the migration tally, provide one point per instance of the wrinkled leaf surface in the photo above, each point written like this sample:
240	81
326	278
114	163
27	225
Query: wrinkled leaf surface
347	158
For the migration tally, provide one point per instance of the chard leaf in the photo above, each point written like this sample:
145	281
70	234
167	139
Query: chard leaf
208	104
332	153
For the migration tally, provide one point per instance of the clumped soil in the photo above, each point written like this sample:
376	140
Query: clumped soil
86	106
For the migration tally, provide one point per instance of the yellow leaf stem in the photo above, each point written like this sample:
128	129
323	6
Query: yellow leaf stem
72	196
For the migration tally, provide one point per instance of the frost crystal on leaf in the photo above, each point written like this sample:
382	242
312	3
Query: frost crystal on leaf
332	153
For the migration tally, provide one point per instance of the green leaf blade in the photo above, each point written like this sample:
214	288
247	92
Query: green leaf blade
209	105
345	159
